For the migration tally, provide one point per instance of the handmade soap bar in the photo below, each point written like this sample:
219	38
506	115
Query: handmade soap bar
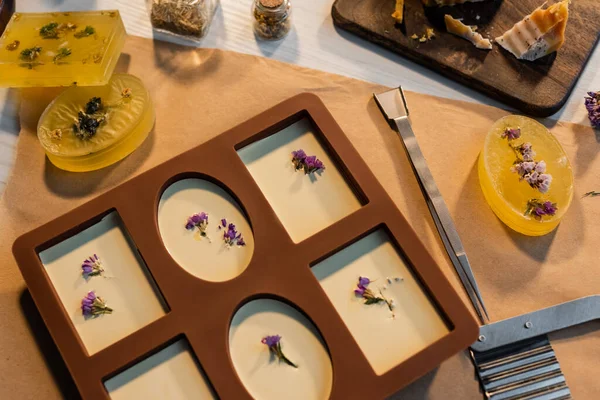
88	128
58	49
525	175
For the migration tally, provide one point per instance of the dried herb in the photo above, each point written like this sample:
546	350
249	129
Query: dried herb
87	31
49	31
538	209
87	125
182	17
93	106
62	53
54	30
592	194
13	46
273	342
31	53
272	19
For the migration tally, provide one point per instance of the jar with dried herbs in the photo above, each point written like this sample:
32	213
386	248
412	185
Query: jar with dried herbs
272	18
188	19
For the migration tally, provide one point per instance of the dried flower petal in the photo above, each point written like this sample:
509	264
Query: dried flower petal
126	93
199	221
231	236
93	306
308	164
274	345
592	104
370	297
538	209
511	133
92	267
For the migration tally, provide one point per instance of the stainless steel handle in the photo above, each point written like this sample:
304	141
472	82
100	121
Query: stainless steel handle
538	323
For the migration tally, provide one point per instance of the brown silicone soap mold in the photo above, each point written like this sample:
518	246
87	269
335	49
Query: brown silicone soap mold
279	269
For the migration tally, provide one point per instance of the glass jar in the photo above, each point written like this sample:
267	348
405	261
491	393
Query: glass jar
188	19
272	18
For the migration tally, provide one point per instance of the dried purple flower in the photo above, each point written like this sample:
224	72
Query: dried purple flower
524	151
223	223
274	345
92	306
533	173
511	133
231	236
592	104
308	164
370	297
91	267
363	281
538	208
199	221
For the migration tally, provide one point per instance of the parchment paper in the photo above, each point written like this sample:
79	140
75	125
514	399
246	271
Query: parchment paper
200	93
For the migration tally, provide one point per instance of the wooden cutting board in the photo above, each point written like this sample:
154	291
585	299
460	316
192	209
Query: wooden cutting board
538	88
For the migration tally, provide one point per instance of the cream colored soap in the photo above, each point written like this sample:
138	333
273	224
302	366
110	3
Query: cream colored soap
126	286
305	204
173	373
385	339
262	375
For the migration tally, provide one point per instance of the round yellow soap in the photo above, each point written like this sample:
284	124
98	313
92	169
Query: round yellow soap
124	119
525	175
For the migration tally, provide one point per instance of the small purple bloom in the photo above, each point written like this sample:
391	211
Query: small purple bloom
231	236
91	267
223	223
540	167
544	181
274	345
92	305
271	340
308	164
199	221
363	281
299	155
360	291
592	104
538	208
511	133
550	208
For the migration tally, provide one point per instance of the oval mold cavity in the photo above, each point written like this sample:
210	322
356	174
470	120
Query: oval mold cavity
261	373
207	257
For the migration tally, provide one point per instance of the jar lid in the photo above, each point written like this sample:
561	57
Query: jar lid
271	3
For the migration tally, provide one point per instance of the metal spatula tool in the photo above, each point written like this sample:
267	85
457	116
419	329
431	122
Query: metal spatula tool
513	358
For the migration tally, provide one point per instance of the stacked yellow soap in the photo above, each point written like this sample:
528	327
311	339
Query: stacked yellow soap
100	118
525	175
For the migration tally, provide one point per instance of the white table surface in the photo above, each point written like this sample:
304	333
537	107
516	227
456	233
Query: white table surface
314	43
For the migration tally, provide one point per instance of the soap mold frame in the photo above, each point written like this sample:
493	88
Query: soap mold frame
287	275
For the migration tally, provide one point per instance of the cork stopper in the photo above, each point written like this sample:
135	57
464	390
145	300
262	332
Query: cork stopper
271	3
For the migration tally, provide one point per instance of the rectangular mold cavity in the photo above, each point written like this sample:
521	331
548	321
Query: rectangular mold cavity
127	286
171	373
305	204
385	341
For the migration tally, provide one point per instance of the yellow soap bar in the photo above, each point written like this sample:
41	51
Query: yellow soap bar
60	49
88	128
525	175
